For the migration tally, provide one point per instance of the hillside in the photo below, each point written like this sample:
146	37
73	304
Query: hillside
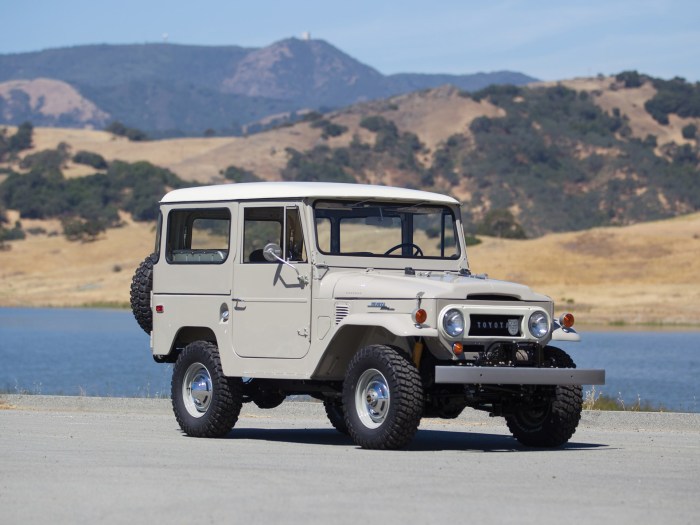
563	157
174	90
645	273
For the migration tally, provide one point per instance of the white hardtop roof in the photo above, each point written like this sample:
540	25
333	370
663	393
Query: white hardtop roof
295	190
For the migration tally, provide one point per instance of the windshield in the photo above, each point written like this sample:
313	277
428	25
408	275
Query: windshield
376	229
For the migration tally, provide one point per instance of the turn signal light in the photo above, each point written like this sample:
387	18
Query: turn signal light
566	320
160	309
419	316
457	348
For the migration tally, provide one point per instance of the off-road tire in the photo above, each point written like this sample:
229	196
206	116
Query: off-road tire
141	286
396	419
219	413
553	425
336	415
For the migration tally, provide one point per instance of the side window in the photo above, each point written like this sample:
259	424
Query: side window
266	225
198	236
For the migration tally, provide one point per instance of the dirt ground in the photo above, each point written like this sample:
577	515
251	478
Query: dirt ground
642	274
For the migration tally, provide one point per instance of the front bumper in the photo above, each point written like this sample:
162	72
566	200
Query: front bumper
486	375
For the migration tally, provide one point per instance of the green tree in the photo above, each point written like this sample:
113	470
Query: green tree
238	175
119	129
690	131
88	158
22	139
631	79
501	223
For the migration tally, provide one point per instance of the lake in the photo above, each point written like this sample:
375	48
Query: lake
105	353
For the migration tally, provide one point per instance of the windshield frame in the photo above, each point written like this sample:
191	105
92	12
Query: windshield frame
378	211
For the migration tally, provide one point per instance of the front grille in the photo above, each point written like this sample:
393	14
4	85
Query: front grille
495	325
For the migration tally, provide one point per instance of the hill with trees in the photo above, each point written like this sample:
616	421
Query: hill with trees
524	160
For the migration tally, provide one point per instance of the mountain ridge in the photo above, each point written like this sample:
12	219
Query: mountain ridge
176	89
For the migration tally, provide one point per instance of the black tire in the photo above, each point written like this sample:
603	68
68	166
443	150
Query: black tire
382	397
336	415
553	424
211	408
141	286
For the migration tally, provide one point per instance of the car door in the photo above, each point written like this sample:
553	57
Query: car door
271	299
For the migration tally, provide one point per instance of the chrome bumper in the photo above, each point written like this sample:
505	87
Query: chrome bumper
484	375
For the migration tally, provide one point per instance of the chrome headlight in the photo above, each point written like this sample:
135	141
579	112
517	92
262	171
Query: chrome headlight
453	323
538	324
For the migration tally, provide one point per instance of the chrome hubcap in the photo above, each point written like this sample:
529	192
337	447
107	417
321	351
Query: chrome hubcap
197	390
372	399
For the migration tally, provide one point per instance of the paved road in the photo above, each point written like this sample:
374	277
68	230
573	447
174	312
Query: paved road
79	460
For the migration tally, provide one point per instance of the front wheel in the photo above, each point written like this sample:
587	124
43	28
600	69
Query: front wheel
553	423
382	397
206	402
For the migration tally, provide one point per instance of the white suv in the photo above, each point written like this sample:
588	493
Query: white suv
357	295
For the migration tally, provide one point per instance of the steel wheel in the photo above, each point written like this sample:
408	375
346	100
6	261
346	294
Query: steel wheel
382	398
206	402
372	398
197	390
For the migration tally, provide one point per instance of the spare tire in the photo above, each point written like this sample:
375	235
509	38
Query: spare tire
141	286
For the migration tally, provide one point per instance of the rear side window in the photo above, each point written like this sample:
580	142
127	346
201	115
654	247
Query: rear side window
198	236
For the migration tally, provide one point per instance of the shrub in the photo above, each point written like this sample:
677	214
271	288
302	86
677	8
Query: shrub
21	140
690	131
501	223
133	134
46	160
77	229
236	174
14	234
631	79
88	158
328	128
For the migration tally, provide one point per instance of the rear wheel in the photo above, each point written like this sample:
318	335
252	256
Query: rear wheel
206	402
382	397
336	414
553	423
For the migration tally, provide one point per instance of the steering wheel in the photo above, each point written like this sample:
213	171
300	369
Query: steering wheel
418	251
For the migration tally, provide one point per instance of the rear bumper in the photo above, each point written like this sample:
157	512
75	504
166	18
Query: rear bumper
483	375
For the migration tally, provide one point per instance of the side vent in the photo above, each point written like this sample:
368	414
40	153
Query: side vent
341	312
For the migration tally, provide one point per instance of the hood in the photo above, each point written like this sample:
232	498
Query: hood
435	285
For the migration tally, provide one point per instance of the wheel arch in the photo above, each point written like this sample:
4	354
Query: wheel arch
348	340
184	336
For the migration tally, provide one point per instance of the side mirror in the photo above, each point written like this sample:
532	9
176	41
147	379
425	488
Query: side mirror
272	252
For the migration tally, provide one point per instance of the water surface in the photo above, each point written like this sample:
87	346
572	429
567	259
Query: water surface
105	353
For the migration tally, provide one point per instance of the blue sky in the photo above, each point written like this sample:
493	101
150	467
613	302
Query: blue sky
547	39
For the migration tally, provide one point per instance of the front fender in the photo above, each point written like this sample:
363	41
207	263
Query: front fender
400	325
